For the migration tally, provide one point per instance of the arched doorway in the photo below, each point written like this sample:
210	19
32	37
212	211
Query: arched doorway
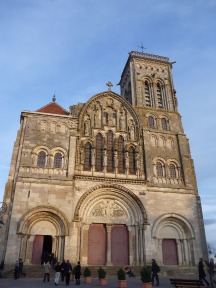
110	214
43	232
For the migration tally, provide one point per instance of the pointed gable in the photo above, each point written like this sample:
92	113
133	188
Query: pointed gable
53	108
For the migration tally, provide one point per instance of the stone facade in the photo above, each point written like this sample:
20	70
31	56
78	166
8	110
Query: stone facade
113	175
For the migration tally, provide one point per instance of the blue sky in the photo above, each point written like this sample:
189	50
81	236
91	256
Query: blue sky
73	47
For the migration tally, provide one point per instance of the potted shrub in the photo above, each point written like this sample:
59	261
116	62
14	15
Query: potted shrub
121	278
145	274
87	275
102	277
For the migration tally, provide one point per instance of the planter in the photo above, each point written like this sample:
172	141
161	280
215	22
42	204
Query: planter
146	285
103	281
122	283
87	279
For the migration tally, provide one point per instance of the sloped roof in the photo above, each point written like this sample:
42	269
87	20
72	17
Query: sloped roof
53	108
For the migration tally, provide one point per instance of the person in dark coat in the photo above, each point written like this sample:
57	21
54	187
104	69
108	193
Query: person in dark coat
211	266
67	272
1	268
202	274
58	272
78	273
21	267
16	270
62	270
155	271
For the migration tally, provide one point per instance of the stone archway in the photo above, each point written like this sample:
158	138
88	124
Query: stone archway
174	233
36	227
115	207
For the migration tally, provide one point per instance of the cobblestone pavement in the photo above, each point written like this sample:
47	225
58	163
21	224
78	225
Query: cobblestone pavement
38	283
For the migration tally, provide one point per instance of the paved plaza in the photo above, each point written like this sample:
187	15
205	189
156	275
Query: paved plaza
38	283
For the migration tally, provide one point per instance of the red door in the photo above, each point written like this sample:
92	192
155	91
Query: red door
169	250
37	249
119	245
97	245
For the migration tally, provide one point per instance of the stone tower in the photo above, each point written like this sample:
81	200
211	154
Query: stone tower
110	182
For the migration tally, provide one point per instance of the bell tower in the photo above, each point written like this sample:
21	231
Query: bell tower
146	81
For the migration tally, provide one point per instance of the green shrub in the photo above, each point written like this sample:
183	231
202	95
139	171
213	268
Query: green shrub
101	273
145	274
121	274
87	272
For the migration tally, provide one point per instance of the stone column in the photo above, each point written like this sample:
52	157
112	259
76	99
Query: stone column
62	246
131	250
179	249
141	244
186	252
84	244
29	248
137	244
23	247
72	155
108	230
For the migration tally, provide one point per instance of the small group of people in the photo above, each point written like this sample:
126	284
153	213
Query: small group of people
63	270
18	269
211	270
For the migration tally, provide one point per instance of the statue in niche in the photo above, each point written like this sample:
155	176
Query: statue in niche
108	209
131	131
87	127
105	159
110	102
121	122
97	115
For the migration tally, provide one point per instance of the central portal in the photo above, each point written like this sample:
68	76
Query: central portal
98	243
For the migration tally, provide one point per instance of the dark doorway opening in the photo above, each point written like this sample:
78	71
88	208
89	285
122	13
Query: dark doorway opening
47	249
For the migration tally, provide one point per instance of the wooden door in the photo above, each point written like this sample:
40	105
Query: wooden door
119	245
97	245
37	249
169	250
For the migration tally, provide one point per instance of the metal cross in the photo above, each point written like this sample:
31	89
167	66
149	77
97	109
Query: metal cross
142	47
109	84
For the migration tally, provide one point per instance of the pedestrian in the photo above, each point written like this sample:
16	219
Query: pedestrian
78	273
67	272
155	271
58	272
21	267
62	270
211	266
1	268
202	274
47	268
16	270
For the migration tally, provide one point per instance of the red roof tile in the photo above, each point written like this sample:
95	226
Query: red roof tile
53	108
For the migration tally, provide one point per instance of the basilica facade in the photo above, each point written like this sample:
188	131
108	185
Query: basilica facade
106	182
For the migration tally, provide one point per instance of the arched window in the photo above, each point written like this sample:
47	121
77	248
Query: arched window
151	122
164	124
99	153
121	155
159	96
41	161
132	160
88	157
160	169
58	160
110	152
147	94
173	172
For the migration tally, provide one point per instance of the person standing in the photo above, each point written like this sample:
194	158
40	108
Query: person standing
67	271
1	268
21	267
202	274
16	270
62	270
58	272
155	271
211	266
47	268
78	273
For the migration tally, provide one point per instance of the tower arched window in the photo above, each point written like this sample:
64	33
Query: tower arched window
41	161
132	160
88	157
147	94
173	171
121	155
159	96
110	152
164	124
151	122
160	169
99	149
57	160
